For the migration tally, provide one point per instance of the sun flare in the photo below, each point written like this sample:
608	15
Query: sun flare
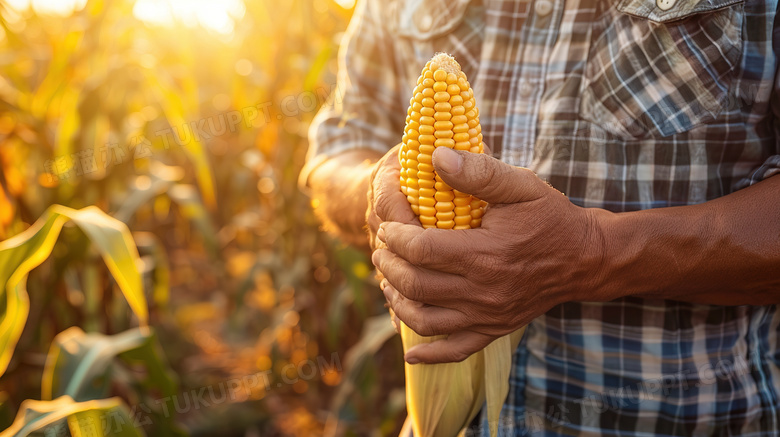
217	15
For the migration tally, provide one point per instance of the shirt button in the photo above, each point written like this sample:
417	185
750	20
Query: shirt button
525	88
544	7
665	5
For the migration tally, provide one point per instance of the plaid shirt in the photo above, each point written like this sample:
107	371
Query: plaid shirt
623	105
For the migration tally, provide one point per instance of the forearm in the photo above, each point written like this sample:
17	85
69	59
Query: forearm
722	252
339	194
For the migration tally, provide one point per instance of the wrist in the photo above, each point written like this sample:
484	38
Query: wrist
650	253
339	187
604	230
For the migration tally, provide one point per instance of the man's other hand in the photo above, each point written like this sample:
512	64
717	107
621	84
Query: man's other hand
386	202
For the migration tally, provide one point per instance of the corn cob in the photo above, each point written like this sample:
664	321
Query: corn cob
442	399
442	113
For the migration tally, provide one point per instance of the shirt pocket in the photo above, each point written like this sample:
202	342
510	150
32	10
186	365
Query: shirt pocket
423	20
659	70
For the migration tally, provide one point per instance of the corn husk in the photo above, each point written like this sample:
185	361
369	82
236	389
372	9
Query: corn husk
442	399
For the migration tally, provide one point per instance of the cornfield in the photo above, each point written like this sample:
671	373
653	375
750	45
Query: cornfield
163	273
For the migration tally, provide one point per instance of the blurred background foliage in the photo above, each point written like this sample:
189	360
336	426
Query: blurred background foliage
186	120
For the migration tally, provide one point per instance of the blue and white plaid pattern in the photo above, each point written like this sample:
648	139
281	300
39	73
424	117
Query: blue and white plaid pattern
621	105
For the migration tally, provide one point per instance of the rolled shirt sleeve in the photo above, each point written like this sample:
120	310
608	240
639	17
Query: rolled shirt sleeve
365	111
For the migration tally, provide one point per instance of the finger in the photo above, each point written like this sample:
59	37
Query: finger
455	348
393	319
420	284
486	177
447	250
390	203
425	320
374	222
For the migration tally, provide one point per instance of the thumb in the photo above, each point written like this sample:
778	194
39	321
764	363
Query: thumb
455	348
486	177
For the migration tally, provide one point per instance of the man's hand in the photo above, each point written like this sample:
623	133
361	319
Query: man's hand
386	202
535	250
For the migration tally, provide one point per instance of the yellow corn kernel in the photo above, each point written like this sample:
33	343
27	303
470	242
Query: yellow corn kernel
442	113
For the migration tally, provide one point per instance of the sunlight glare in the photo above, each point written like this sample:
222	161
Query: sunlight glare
346	4
54	7
217	15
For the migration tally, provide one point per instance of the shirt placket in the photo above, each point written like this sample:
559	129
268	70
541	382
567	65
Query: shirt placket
538	37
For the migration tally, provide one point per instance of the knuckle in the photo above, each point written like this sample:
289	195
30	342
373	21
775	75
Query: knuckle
421	248
396	208
381	205
373	221
385	205
458	355
485	166
409	283
493	180
419	325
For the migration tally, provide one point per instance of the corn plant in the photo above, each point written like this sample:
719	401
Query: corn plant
78	371
100	108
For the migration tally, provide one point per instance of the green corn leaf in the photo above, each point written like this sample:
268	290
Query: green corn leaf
77	362
27	250
155	264
81	366
105	417
189	202
173	107
377	330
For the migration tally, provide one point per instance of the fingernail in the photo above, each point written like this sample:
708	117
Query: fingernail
412	360
447	160
387	293
381	234
375	258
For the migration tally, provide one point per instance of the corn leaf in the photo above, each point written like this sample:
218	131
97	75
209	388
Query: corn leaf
162	178
376	331
173	108
78	361
105	417
27	250
189	202
155	264
82	366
